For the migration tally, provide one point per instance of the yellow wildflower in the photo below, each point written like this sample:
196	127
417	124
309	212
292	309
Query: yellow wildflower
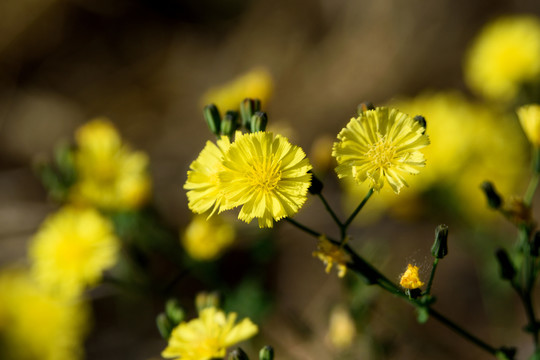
36	325
208	336
203	184
330	253
266	175
378	145
342	330
206	240
109	174
410	279
255	84
505	54
529	117
71	250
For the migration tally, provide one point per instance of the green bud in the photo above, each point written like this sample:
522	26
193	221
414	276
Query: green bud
164	326
174	312
493	198
259	121
505	264
316	185
506	353
247	108
229	123
365	106
212	117
238	354
422	314
440	247
266	353
205	300
422	121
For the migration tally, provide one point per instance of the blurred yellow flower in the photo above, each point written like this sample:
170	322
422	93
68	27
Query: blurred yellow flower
109	175
266	175
410	279
206	239
505	54
529	117
208	336
36	325
71	250
203	184
380	145
330	253
341	331
255	84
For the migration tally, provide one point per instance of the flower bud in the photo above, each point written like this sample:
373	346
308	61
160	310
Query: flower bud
259	121
238	354
493	198
212	117
440	247
316	185
164	325
266	353
174	312
365	106
505	264
205	300
422	121
229	123
247	108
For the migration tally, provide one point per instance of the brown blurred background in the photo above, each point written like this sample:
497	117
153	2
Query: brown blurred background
146	63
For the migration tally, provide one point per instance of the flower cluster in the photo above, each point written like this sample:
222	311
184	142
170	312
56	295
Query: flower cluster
260	172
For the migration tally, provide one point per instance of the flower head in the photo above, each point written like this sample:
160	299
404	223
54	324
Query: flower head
378	145
208	336
529	117
410	279
203	183
109	174
72	249
330	253
35	324
205	239
256	84
266	175
505	54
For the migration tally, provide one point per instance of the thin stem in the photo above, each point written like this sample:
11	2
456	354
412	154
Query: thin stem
531	189
432	275
329	209
304	228
459	330
357	210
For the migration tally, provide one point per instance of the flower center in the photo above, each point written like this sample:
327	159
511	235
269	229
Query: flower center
381	153
265	174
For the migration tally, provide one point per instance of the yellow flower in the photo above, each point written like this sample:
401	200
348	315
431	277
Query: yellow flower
36	325
529	117
255	84
208	336
379	145
410	279
206	240
71	250
109	174
330	253
505	54
266	175
342	330
203	184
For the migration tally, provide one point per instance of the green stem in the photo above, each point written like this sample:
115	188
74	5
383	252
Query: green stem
329	209
357	210
531	189
304	228
432	275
